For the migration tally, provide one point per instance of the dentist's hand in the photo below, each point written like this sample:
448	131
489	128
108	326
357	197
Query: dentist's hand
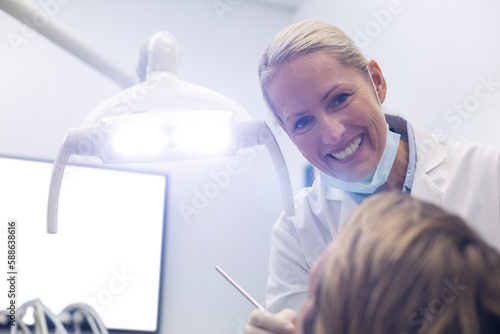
263	322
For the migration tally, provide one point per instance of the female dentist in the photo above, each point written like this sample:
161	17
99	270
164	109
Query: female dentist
328	98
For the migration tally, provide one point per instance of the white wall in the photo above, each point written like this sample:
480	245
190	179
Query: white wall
46	91
435	55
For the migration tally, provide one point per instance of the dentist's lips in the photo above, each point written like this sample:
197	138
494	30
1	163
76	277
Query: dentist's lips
350	150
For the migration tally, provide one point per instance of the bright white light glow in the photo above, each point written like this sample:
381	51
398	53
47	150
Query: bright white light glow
207	136
193	132
144	139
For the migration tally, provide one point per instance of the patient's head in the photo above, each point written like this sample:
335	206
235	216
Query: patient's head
404	266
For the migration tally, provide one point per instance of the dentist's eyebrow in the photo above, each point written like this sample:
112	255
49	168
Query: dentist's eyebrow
300	113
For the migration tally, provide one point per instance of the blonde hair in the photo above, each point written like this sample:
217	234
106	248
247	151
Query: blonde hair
304	38
402	265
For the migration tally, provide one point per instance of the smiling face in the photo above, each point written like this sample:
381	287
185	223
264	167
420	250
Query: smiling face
332	114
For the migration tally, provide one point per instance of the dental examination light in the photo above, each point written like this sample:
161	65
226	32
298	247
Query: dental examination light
164	119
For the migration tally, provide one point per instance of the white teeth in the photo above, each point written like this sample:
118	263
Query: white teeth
350	150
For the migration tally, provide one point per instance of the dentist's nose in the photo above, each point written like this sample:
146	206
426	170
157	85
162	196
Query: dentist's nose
331	130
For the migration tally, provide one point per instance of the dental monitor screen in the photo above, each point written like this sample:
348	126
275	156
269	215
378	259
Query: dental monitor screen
108	250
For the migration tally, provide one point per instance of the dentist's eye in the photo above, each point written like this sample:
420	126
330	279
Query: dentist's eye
339	99
302	123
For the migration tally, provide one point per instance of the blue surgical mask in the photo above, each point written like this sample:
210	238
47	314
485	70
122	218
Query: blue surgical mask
377	178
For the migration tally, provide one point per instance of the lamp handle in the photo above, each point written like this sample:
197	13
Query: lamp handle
68	148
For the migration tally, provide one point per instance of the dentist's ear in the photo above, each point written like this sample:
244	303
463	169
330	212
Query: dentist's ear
378	80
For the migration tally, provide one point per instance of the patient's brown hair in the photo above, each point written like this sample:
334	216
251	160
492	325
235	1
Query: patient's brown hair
402	266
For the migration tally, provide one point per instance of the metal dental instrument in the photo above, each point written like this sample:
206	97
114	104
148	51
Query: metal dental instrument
240	289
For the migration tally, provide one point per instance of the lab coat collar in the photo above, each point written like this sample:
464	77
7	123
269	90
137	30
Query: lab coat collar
430	155
347	203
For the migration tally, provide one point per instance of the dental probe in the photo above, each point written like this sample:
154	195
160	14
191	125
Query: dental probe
240	289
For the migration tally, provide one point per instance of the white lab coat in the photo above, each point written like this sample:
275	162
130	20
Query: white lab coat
459	176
